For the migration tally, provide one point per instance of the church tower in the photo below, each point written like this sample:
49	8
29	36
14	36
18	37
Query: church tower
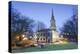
54	32
52	22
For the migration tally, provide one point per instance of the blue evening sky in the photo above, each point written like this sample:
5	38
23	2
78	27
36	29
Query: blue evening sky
43	11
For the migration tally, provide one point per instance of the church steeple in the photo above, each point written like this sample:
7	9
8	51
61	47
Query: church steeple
52	21
52	17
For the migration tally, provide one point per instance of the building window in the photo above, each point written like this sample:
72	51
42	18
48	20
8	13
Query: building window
37	38
43	38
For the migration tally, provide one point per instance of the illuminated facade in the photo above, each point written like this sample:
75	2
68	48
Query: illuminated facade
49	35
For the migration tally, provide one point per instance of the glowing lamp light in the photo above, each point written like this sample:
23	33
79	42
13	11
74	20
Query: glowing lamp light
17	37
23	35
25	38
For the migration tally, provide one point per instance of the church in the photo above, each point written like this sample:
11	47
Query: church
49	35
43	36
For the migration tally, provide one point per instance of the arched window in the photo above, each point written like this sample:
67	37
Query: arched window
37	38
43	38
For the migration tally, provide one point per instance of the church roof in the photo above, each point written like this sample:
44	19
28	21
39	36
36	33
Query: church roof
44	30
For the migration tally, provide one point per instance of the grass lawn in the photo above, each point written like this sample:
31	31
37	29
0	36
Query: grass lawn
47	48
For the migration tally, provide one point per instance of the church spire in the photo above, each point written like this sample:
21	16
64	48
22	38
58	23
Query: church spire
52	21
52	12
52	17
